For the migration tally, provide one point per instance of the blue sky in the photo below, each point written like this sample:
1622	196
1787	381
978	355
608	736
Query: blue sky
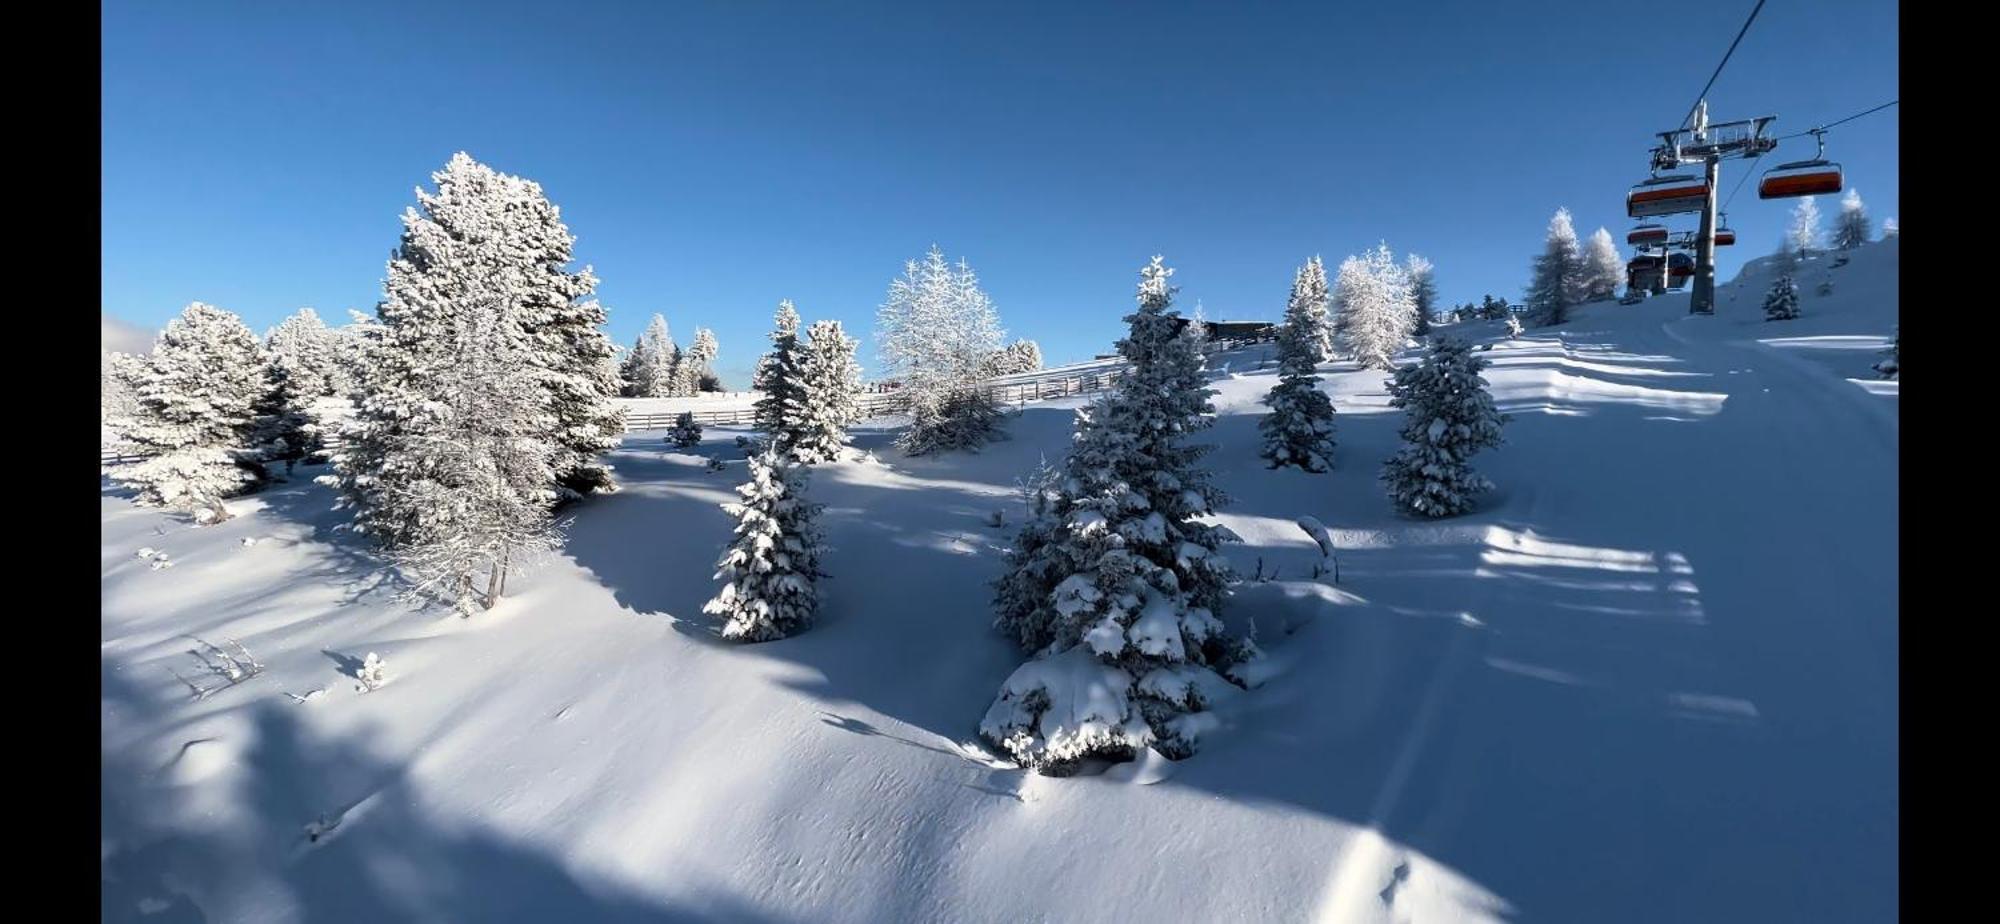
713	158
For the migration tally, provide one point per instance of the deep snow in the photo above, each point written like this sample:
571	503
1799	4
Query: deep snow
1653	677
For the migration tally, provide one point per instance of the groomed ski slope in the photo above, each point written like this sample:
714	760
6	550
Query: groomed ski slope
1654	678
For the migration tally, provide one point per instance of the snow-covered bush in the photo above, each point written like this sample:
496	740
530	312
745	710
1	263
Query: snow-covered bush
1781	303
827	400
370	674
770	572
1447	417
1513	326
1299	429
196	411
686	433
1557	280
935	334
1891	367
1113	582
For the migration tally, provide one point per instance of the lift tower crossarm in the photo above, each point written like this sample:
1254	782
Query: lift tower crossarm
1707	145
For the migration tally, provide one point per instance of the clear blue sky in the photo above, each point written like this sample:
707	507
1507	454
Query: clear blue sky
713	158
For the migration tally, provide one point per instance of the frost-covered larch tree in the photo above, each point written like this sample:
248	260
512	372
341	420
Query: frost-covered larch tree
1447	417
1850	229
1423	291
1604	269
1115	582
196	412
770	572
1318	311
700	359
934	334
1556	281
780	378
1299	429
1802	235
828	399
1376	307
1781	302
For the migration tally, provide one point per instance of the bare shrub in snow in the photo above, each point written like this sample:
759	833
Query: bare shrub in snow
770	572
1447	417
228	665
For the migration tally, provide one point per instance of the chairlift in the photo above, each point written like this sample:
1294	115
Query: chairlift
1680	269
1813	177
1646	235
1672	194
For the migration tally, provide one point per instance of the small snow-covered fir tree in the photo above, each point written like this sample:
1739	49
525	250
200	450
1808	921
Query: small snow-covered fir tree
935	332
1513	326
1377	311
1890	368
771	571
1447	417
1114	581
1556	282
1423	291
780	377
1850	229
1781	302
1604	269
1299	429
1802	235
196	413
828	399
685	433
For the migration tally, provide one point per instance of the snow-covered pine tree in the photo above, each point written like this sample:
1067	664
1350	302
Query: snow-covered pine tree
1447	417
1494	309
700	359
1802	235
286	429
653	361
355	344
1319	311
197	395
1299	429
1850	229
934	333
1556	282
309	351
1114	583
828	399
1423	291
1376	308
628	368
1015	358
119	375
780	377
686	433
1781	302
771	570
1604	269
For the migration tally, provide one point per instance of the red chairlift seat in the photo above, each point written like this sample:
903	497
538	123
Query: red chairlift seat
1724	237
1647	234
1667	195
1800	178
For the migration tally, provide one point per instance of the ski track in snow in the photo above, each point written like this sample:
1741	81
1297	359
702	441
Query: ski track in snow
1652	678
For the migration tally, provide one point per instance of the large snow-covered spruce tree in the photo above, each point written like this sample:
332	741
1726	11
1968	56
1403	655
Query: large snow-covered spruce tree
828	399
1557	281
770	572
1850	229
1114	582
1604	269
935	334
1447	417
196	413
1423	292
1299	429
781	380
1376	308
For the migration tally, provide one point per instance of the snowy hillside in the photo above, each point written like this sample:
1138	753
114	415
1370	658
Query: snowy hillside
1652	678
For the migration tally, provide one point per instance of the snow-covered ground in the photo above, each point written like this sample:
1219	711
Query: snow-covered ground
1653	678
